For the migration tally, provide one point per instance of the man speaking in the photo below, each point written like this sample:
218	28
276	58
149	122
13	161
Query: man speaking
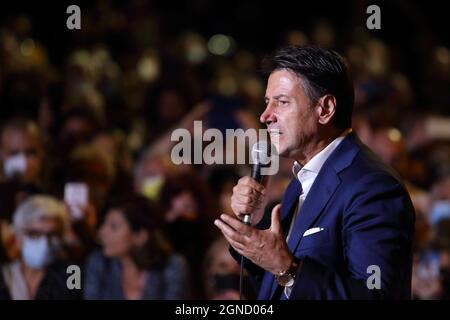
345	217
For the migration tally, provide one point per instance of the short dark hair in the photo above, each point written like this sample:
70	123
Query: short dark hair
322	71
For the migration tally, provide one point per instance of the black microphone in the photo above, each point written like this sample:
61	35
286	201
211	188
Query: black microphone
261	159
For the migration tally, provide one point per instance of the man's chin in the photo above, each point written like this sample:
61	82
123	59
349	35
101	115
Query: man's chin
286	153
280	151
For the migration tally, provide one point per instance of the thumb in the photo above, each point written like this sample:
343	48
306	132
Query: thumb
275	223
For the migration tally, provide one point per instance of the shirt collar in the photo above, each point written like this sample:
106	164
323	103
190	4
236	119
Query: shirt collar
315	164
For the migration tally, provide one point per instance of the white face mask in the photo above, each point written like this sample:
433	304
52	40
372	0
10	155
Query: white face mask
37	253
15	165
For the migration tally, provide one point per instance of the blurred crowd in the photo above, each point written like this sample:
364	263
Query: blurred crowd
103	118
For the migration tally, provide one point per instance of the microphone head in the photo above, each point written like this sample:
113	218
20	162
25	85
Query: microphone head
261	152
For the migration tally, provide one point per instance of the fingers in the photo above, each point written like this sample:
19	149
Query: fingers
252	185
275	225
237	225
236	245
242	209
255	201
231	234
248	196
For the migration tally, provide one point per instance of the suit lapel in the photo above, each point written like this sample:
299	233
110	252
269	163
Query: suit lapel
289	203
318	196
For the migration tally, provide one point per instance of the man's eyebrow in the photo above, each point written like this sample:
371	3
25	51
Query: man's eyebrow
281	96
277	97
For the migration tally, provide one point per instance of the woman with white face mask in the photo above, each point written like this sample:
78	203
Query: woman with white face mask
40	224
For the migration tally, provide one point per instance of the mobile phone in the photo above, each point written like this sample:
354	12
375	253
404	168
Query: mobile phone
76	196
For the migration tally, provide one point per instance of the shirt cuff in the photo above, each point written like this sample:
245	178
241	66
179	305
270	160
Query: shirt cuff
287	291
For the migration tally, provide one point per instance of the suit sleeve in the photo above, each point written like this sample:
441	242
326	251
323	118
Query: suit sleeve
377	230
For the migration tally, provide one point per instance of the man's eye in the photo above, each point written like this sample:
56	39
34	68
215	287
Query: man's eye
283	102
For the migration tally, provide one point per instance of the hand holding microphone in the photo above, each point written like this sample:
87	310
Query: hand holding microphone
249	194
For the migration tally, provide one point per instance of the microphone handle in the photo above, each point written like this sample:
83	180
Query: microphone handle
256	174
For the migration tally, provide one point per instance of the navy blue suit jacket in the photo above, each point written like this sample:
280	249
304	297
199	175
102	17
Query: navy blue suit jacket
367	219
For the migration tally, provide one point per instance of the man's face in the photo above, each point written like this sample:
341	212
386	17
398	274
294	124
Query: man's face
16	142
288	111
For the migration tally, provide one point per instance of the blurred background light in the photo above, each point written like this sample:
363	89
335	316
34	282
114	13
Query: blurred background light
221	45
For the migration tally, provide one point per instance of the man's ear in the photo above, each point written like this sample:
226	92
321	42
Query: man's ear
326	109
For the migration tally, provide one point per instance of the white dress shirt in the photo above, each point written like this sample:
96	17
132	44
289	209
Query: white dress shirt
307	175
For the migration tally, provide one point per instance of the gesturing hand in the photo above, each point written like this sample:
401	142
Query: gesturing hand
266	248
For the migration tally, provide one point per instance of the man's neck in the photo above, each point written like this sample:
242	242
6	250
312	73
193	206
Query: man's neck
318	145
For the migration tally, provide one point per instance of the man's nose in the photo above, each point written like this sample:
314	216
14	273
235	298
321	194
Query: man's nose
267	116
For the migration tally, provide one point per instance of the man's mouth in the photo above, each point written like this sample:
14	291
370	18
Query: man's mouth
274	132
